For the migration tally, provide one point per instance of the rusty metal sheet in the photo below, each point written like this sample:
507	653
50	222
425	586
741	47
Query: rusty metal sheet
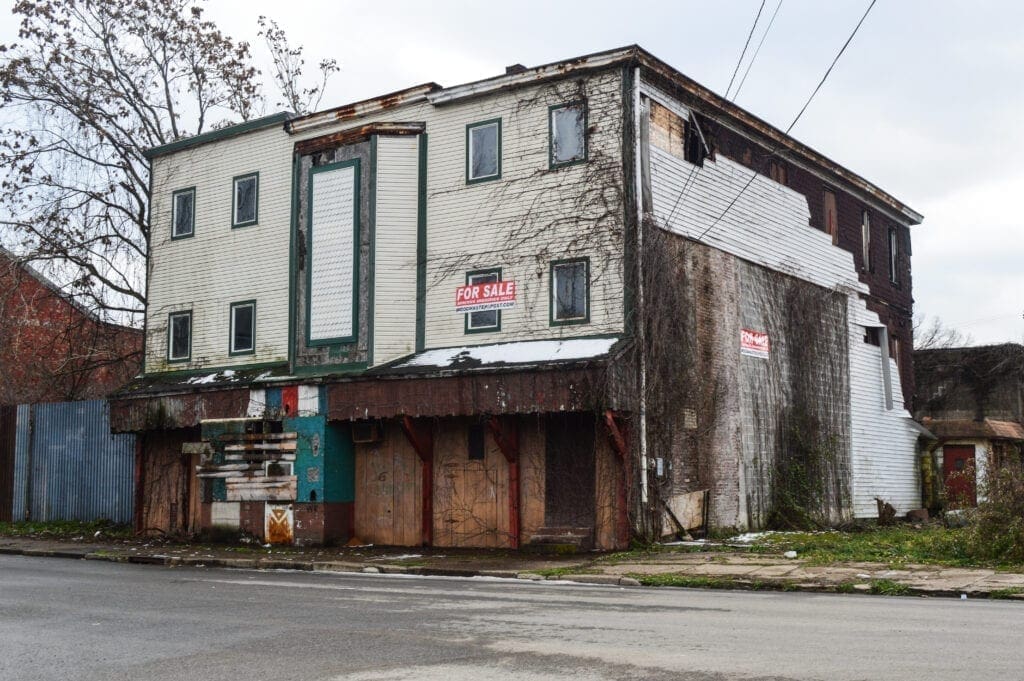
280	524
166	412
353	135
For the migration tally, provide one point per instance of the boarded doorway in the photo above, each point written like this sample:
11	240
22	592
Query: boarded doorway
960	474
569	479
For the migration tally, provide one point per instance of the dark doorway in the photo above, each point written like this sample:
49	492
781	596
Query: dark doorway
959	472
569	478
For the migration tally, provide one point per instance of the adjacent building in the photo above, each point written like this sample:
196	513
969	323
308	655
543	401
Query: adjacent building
570	303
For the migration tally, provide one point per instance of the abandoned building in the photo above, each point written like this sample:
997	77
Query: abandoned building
571	303
972	399
53	348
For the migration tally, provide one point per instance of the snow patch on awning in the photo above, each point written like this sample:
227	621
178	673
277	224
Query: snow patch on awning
525	352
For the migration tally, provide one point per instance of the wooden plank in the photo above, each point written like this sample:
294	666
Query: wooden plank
210	468
260	446
196	448
256	492
258	437
257	456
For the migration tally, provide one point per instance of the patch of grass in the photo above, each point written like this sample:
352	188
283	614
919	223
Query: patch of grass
846	588
65	529
562	571
686	581
887	587
1009	592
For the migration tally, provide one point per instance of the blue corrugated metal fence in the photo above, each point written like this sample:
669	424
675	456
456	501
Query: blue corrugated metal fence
68	466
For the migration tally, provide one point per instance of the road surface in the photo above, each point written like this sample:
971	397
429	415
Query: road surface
67	619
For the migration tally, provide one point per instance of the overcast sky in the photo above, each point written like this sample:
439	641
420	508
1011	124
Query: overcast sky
927	101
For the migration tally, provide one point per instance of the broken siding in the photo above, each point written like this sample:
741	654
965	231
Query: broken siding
219	265
768	225
394	311
529	217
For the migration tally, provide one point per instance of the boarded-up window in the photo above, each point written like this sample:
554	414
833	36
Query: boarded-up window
333	229
831	215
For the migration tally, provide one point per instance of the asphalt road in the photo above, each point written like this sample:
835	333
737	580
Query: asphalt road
65	619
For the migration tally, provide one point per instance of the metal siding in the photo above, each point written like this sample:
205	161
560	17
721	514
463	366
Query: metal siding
70	467
8	427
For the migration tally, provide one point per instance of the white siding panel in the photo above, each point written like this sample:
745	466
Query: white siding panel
768	225
394	310
333	256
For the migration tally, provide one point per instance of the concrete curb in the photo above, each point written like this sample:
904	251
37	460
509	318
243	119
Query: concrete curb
264	563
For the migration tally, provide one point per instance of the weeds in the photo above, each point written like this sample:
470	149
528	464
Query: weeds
887	587
66	529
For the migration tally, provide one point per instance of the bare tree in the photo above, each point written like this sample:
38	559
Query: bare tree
86	89
931	334
288	67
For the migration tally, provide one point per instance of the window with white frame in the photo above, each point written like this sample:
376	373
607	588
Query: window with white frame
245	209
243	328
179	336
183	213
486	320
483	151
568	126
570	291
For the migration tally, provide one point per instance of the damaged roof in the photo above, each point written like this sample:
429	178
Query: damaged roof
986	429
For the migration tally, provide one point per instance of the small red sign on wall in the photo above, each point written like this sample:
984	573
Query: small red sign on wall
497	295
754	344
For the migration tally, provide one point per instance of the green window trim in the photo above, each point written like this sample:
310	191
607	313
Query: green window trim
495	328
235	222
174	213
232	351
553	321
356	246
170	336
552	164
469	128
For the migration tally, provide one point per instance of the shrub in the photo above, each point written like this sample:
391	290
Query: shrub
996	529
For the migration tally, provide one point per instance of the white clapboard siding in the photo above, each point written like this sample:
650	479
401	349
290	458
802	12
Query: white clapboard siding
768	225
333	256
219	265
394	309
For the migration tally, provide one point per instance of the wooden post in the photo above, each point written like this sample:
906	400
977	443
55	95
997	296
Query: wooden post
618	441
422	440
508	442
140	484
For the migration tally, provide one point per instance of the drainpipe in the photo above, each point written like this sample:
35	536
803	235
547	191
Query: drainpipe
640	316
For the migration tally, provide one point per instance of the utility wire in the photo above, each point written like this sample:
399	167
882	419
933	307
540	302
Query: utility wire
771	154
739	62
757	51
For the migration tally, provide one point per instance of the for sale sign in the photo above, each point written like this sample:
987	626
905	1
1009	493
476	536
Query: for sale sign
754	344
496	295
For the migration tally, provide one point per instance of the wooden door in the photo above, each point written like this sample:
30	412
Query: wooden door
959	472
569	470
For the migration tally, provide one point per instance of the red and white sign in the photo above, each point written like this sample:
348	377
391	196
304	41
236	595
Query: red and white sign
497	295
754	344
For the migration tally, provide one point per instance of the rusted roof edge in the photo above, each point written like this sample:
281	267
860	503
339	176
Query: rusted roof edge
346	112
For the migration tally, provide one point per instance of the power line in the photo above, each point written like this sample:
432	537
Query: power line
745	46
757	51
771	154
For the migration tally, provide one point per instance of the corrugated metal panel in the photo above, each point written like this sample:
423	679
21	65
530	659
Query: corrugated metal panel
70	467
8	425
21	443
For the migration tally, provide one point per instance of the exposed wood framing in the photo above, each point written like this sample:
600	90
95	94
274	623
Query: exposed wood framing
618	441
507	439
422	441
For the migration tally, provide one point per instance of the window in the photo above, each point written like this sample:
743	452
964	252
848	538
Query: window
179	336
244	210
570	295
243	328
483	151
567	129
831	215
865	240
476	447
183	213
487	320
672	133
894	256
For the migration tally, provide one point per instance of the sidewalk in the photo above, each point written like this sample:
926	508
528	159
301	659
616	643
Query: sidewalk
727	570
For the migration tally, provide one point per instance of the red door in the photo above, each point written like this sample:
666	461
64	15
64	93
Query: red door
959	472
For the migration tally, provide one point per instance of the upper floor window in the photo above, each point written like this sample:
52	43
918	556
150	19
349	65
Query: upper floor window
179	336
246	200
243	328
567	125
894	255
483	151
831	215
485	320
183	213
570	291
865	241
